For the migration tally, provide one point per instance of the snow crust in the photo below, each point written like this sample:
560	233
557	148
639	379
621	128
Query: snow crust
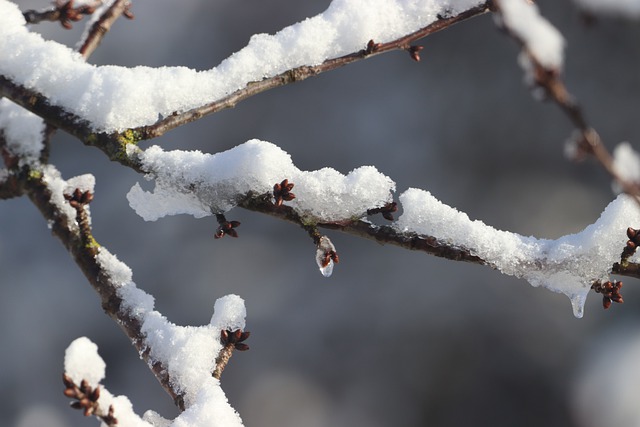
539	36
114	98
188	353
22	130
200	184
568	265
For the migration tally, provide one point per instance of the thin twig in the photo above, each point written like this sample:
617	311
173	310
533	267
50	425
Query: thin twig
591	143
75	241
102	26
112	143
302	73
390	235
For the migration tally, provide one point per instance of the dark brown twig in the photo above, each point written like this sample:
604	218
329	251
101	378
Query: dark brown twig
231	340
301	73
113	144
41	196
63	11
103	24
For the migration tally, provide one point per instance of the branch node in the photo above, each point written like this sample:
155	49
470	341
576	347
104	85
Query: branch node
386	210
610	292
372	47
231	340
86	399
282	192
414	52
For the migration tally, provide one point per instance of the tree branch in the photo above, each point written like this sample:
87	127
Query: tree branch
389	235
112	144
302	73
83	248
102	26
589	141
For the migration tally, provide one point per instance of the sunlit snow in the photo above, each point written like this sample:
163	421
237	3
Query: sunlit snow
568	265
114	98
188	353
539	36
200	184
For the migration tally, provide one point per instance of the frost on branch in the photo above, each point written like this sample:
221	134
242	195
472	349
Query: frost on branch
568	265
115	98
200	184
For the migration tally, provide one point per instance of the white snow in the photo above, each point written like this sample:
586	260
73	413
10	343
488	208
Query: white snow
622	8
198	184
539	36
22	130
568	265
114	98
626	162
188	353
229	313
82	362
59	187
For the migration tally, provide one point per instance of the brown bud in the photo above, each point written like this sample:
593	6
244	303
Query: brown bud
414	52
88	411
241	346
95	394
70	392
631	233
606	302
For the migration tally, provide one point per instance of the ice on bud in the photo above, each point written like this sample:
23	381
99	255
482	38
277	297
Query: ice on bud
325	256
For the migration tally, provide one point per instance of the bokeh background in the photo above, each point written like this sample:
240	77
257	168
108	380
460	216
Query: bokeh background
393	338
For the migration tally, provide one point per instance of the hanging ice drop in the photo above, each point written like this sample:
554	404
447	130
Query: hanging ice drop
326	256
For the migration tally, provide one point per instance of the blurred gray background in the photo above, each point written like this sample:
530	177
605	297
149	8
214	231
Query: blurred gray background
393	338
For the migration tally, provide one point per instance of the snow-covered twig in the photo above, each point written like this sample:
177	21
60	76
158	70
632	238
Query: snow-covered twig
541	58
46	190
111	141
301	73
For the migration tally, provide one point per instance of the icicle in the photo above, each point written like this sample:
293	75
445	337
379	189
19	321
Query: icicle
577	303
326	256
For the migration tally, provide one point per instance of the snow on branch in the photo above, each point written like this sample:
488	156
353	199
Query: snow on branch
112	98
202	184
189	354
541	58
